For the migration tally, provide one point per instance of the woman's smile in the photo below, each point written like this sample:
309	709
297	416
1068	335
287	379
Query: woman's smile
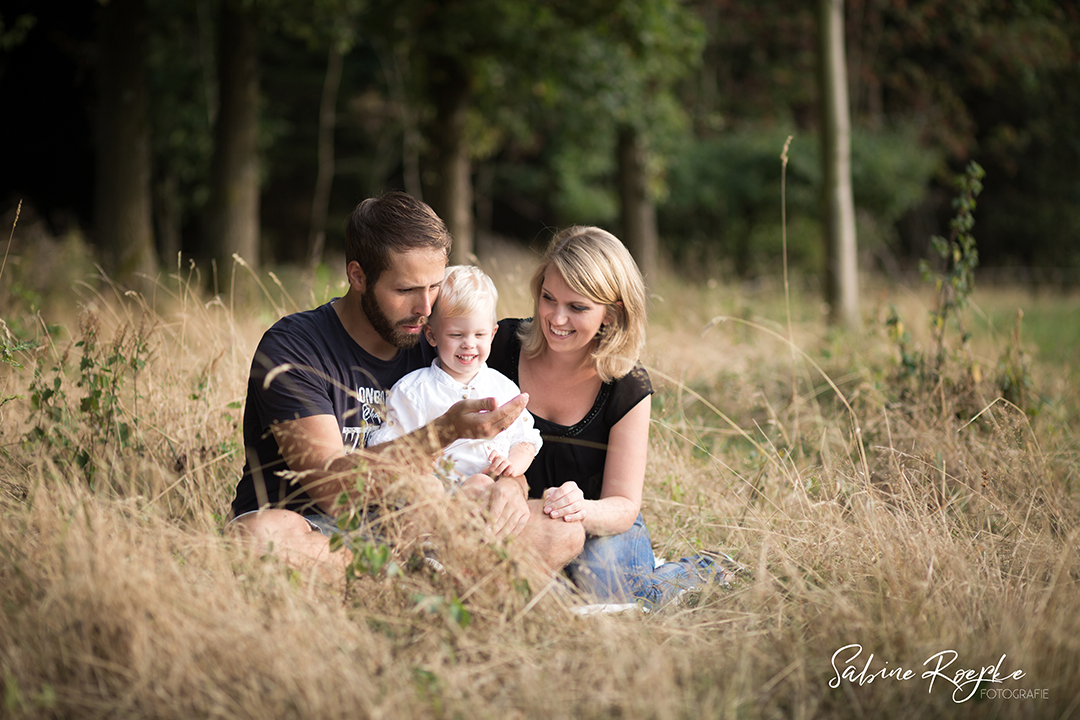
572	320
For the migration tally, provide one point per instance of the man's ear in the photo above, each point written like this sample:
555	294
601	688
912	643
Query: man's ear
356	276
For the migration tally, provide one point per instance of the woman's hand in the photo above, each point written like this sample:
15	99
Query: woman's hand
566	502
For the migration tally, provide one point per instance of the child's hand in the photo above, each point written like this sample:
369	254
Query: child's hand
500	466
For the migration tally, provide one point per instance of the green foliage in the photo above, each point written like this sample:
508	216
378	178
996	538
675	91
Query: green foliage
581	177
891	173
995	81
620	72
552	78
449	608
82	430
10	348
632	58
1014	371
955	283
11	36
724	190
430	686
317	24
953	286
911	360
720	188
181	107
371	558
17	705
102	373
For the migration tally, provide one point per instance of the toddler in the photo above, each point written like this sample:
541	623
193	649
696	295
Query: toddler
461	328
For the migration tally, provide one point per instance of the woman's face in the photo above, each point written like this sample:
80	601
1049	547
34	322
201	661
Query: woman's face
569	320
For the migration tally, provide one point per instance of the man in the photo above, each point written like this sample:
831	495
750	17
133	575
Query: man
317	384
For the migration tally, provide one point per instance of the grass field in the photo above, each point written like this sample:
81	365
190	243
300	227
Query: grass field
900	531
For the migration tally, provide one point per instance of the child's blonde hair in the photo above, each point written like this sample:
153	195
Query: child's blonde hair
465	290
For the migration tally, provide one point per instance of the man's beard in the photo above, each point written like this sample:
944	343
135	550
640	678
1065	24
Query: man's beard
388	331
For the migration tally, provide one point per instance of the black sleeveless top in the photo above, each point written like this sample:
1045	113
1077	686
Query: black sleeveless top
579	452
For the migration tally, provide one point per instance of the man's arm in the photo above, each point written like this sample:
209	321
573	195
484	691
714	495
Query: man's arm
313	446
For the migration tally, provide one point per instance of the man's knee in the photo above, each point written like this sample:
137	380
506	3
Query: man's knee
575	538
292	539
563	541
270	525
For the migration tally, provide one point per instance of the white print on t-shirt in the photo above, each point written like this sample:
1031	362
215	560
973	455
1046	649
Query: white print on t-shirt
370	396
353	437
372	410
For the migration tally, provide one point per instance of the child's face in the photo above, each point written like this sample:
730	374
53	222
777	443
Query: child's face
462	342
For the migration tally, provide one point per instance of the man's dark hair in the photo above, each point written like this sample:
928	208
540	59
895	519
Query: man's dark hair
394	222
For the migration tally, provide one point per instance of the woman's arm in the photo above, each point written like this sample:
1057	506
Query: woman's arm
624	478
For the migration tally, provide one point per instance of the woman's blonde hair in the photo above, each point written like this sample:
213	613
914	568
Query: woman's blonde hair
595	264
465	289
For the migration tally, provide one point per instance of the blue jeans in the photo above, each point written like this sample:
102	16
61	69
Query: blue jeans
327	525
622	568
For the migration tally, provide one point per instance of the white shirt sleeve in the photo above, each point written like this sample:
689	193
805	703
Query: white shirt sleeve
521	430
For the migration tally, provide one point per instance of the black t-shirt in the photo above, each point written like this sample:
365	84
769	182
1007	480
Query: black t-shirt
307	364
575	453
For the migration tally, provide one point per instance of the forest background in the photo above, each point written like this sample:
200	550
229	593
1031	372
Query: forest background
154	127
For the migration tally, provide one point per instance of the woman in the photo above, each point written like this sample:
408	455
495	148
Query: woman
577	358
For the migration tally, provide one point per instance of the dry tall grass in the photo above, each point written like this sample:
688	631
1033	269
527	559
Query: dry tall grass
909	521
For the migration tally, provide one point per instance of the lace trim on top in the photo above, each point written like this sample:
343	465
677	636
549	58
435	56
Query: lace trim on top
580	425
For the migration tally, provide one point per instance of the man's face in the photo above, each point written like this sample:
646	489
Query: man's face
399	303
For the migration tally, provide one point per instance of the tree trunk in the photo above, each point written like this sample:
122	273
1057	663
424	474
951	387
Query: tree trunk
320	202
234	211
453	197
123	200
708	96
167	212
411	137
638	210
841	273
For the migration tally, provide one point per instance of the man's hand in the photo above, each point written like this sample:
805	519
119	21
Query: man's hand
508	511
478	418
